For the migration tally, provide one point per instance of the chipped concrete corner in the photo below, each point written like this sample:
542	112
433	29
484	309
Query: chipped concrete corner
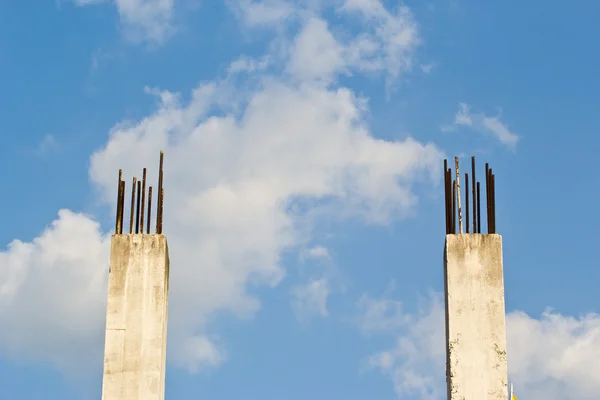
136	318
475	317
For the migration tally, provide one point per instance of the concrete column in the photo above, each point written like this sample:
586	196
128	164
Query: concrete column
136	318
475	318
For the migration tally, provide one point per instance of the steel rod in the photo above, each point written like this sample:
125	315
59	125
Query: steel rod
143	207
122	207
132	209
467	202
487	194
460	219
149	209
160	197
137	207
446	197
162	202
491	203
493	197
474	189
478	209
454	206
118	212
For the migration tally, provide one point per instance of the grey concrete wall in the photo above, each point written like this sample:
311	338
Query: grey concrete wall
475	318
136	318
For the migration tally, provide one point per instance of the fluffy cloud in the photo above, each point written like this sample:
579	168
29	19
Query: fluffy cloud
53	294
142	20
552	357
382	40
247	172
485	124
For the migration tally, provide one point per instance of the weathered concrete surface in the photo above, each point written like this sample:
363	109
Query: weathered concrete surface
475	318
136	318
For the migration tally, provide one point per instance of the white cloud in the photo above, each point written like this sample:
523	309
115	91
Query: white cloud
53	294
316	253
310	299
381	40
262	12
238	165
485	124
142	20
552	357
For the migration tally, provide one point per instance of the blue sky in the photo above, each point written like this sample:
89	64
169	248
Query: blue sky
303	147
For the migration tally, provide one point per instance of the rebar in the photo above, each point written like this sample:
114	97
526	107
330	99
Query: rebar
132	209
453	201
137	207
118	220
143	207
138	220
149	208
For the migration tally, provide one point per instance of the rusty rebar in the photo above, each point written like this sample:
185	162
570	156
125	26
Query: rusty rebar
118	212
474	189
140	214
491	206
454	206
446	196
452	202
493	200
460	217
121	206
478	209
487	194
160	195
467	202
132	209
143	207
162	201
137	207
149	209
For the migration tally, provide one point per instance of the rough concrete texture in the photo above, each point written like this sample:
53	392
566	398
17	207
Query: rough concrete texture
136	318
475	318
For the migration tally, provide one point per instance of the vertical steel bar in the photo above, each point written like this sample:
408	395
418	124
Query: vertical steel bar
137	207
491	223
452	202
122	207
143	207
467	202
493	197
487	195
454	206
117	220
446	197
132	210
460	220
162	202
159	195
474	189
478	209
149	209
448	191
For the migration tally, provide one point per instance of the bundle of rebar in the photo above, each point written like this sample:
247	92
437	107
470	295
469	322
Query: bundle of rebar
138	203
454	212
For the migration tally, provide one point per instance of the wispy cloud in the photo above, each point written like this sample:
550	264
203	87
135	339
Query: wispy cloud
310	299
147	21
48	144
483	123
